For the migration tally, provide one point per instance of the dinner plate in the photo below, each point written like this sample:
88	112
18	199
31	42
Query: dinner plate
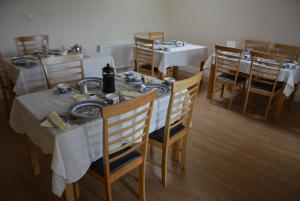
161	89
91	82
26	63
87	109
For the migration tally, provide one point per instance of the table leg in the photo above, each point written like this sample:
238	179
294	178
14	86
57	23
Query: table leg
33	156
175	72
279	105
69	192
210	82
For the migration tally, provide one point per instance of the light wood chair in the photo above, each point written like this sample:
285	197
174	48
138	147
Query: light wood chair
125	140
176	130
144	53
63	69
160	36
289	52
6	87
227	64
26	45
261	46
264	72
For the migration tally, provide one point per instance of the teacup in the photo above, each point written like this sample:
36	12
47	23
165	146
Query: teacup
112	98
62	88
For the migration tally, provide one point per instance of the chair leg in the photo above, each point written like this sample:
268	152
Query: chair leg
77	190
164	168
231	98
183	152
108	190
268	108
142	189
175	151
222	91
246	102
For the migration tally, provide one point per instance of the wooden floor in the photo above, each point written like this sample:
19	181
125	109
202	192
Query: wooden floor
231	157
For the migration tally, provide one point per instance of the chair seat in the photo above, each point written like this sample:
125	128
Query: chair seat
264	86
148	67
97	166
158	135
231	78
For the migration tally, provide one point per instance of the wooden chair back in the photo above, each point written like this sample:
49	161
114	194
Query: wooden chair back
160	36
126	127
289	52
181	104
265	68
63	69
28	44
144	53
6	86
227	60
260	46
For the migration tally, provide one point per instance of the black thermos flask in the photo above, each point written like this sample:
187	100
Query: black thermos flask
108	74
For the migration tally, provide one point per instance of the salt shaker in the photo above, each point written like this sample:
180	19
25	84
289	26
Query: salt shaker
84	89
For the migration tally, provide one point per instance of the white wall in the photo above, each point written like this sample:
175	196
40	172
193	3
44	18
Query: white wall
216	21
87	22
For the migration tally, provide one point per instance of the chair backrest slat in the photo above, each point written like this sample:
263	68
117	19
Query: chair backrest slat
288	51
63	69
157	36
261	46
28	44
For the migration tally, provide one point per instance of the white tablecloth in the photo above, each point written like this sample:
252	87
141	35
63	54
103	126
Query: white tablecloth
188	55
289	76
28	80
73	150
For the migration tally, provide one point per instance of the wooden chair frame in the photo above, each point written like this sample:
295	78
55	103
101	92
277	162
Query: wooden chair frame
27	44
144	55
157	36
50	67
133	143
265	72
6	87
229	66
180	111
288	51
261	46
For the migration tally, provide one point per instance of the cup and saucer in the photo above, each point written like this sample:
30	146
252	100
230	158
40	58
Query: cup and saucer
63	88
112	99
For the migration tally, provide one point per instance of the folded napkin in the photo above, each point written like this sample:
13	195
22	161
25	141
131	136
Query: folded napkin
131	94
54	120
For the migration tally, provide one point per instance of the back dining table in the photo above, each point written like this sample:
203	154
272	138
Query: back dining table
75	149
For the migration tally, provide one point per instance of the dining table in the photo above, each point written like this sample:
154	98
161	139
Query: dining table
73	150
166	56
289	75
32	79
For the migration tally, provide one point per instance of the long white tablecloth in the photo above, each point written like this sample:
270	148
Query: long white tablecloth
28	80
188	55
74	150
289	76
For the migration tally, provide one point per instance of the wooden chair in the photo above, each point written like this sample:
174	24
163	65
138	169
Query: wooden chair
176	130
144	53
260	46
28	44
264	72
6	87
63	69
160	36
227	62
125	140
289	52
